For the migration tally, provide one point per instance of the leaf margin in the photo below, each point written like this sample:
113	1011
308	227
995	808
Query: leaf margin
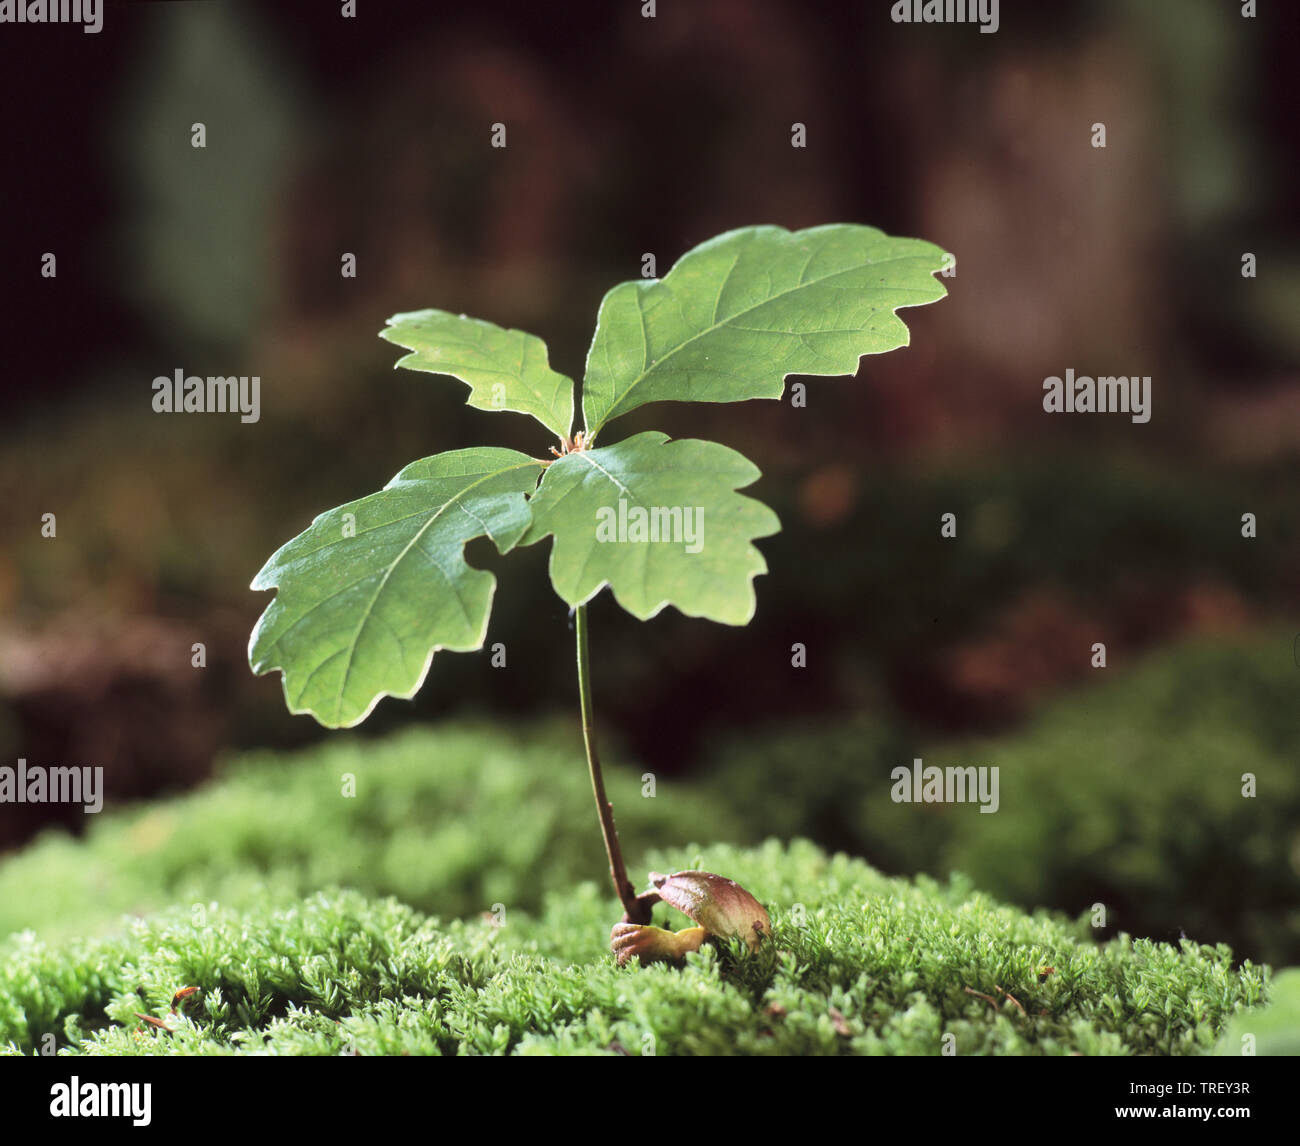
263	581
642	287
414	360
533	535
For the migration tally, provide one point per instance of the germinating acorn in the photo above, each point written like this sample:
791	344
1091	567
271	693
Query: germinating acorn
653	944
719	905
721	908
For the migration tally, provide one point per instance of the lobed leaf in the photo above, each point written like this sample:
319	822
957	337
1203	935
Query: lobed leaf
591	500
365	600
737	314
505	369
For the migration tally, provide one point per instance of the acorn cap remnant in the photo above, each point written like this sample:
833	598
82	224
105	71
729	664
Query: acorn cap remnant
719	905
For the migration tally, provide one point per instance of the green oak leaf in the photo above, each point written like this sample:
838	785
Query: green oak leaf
737	314
365	600
505	369
703	563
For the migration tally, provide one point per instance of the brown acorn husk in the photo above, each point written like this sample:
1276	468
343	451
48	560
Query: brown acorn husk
720	905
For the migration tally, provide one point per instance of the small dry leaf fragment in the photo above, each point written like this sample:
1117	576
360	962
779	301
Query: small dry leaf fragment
840	1023
181	995
158	1024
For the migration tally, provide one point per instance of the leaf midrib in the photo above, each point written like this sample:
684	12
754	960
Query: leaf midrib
370	607
646	372
546	411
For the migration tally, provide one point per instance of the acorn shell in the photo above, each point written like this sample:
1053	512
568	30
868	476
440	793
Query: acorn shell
719	905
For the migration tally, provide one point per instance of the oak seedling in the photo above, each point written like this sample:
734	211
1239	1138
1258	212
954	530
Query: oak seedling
374	588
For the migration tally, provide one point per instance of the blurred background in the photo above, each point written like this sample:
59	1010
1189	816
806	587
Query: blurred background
627	135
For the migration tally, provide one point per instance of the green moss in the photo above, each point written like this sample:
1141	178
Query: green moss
859	964
236	890
451	820
1271	1030
1127	793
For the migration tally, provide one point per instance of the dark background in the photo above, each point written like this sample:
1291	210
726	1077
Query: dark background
627	135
